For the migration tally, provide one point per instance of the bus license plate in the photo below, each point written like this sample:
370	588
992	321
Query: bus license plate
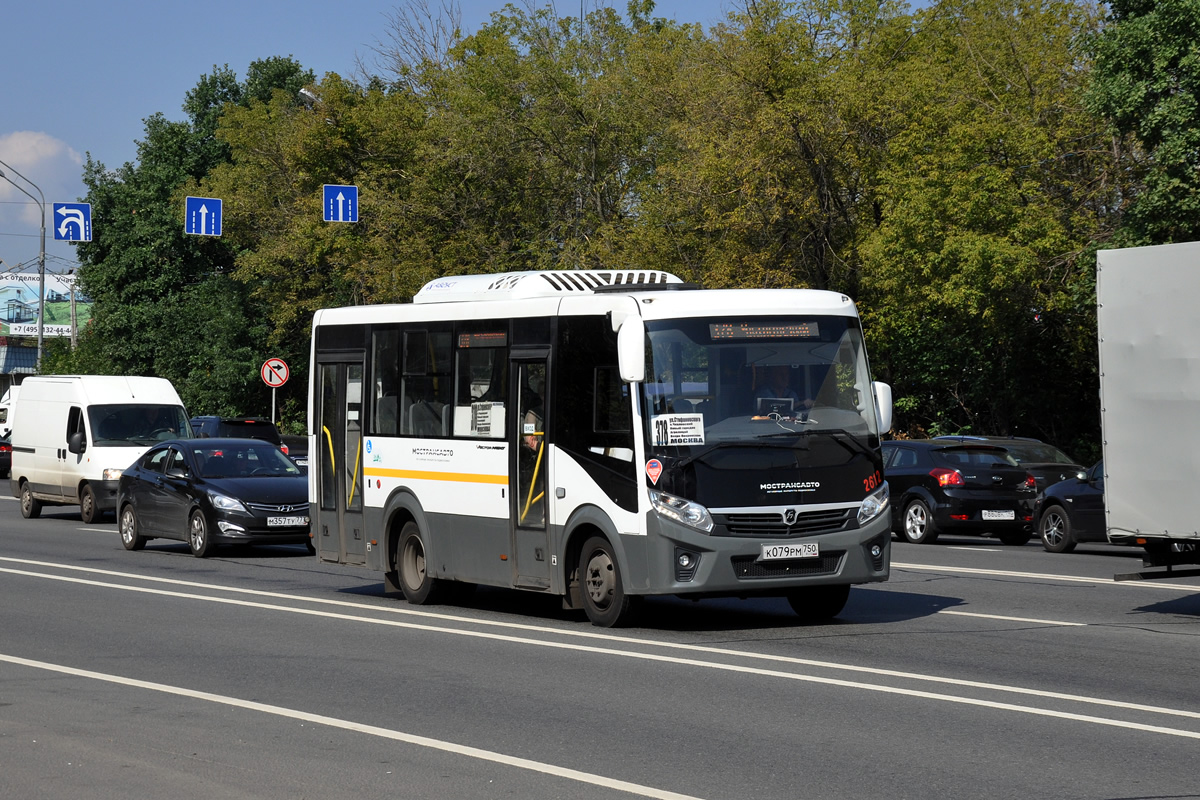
286	522
778	552
999	515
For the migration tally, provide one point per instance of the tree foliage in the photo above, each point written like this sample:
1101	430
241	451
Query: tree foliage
948	167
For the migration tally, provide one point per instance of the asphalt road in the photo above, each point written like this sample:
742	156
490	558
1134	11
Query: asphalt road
978	671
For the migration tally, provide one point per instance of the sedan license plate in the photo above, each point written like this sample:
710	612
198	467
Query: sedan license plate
779	552
286	522
999	515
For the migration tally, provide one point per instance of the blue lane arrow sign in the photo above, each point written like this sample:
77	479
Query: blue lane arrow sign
202	216
340	203
73	222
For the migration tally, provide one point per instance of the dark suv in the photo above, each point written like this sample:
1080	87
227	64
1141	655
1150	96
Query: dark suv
940	486
1048	464
236	428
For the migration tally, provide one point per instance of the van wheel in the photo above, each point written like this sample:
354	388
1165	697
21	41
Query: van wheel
419	587
604	598
198	535
129	530
31	508
818	603
87	506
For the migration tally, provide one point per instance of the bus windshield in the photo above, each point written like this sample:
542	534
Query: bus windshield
717	380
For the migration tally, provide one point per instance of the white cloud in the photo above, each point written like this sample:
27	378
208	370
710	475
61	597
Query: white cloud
54	168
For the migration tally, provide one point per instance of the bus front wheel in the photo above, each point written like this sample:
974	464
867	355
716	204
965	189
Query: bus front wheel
419	587
604	599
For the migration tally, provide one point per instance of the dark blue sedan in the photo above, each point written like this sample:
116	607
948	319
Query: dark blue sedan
213	491
1072	511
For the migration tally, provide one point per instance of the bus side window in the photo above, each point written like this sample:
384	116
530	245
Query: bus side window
594	410
386	363
426	386
482	375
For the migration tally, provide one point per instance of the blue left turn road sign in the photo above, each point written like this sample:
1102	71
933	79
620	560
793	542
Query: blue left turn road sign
202	216
73	222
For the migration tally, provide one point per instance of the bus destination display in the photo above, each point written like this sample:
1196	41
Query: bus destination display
762	330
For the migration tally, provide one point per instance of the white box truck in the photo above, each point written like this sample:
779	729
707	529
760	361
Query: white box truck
77	433
1149	336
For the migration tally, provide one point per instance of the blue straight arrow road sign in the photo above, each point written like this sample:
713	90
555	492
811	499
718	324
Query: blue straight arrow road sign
73	222
202	216
340	203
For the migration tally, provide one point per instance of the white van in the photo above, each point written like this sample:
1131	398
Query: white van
6	409
79	432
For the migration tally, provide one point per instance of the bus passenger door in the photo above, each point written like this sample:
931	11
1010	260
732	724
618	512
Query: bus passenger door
530	503
338	518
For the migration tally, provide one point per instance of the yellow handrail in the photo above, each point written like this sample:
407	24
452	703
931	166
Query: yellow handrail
354	482
329	439
529	498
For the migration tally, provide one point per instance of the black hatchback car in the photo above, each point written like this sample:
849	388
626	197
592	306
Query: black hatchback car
940	486
213	491
1045	462
1072	511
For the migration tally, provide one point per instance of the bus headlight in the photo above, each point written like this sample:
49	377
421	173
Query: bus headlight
691	514
874	504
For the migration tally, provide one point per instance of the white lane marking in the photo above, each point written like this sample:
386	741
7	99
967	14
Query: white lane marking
1015	619
1043	576
970	549
758	671
357	727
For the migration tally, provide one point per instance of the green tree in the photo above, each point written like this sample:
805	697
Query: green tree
1146	84
977	279
164	302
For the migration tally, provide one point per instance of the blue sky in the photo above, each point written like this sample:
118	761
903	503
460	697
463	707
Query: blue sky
81	76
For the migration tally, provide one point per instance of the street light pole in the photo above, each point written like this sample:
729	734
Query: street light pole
41	256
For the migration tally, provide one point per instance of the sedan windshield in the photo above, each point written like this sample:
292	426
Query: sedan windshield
718	380
249	460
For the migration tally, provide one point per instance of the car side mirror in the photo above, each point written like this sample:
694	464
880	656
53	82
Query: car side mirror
176	472
77	443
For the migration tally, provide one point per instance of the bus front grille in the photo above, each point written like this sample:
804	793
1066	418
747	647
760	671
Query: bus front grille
771	525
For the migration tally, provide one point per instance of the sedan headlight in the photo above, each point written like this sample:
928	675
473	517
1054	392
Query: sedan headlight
874	504
223	502
680	510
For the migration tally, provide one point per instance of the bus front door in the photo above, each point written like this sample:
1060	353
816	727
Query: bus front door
338	521
530	503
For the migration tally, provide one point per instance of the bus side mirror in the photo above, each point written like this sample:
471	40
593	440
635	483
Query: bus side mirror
883	404
631	350
76	443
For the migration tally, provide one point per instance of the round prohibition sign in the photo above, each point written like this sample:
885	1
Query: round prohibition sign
274	372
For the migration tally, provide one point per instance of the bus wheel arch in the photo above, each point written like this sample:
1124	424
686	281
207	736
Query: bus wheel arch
401	508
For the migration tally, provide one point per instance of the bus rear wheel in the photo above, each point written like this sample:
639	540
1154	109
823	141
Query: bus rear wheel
419	587
818	603
604	598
